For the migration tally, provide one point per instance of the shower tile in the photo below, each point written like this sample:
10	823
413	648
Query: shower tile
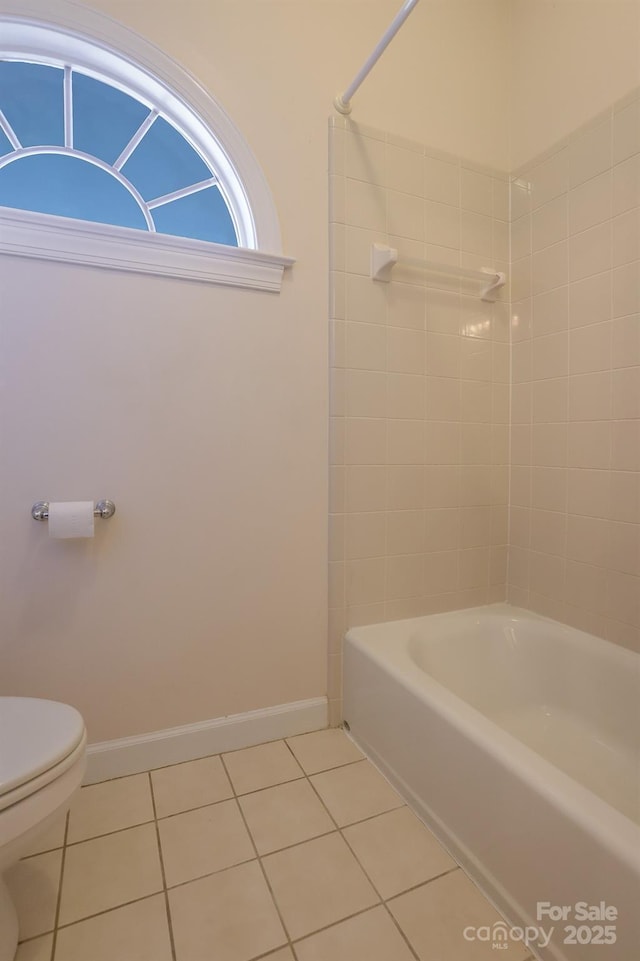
501	190
405	442
549	223
405	170
397	851
626	132
365	488
365	440
590	251
623	548
404	576
106	872
366	393
110	806
317	883
322	750
590	152
365	205
365	302
371	935
442	224
355	792
626	290
550	268
262	766
232	910
476	192
626	185
365	346
590	203
365	580
287	814
365	535
405	487
405	215
590	348
137	932
203	841
441	181
626	238
405	350
33	885
434	916
405	532
590	300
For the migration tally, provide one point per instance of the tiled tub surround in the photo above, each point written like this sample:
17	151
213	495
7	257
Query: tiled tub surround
420	387
295	850
574	549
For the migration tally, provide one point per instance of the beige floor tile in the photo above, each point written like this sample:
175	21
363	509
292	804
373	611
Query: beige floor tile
317	883
284	815
355	792
284	954
261	766
397	851
110	806
136	932
106	872
36	950
190	785
52	838
371	936
34	884
322	750
232	910
434	916
203	841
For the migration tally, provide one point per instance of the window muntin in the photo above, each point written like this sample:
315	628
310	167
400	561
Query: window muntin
147	185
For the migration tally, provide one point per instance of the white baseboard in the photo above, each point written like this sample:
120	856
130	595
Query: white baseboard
133	755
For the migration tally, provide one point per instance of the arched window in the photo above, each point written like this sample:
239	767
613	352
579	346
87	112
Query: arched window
101	129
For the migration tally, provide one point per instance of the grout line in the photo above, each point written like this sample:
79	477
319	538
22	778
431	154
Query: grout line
56	919
109	910
162	869
259	859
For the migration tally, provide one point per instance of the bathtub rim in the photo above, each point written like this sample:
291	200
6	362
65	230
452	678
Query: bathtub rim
609	825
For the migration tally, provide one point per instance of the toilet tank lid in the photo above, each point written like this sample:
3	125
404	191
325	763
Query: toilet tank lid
35	735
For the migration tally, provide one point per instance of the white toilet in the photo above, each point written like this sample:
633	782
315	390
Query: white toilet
42	762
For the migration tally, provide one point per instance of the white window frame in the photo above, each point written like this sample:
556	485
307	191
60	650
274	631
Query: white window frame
60	30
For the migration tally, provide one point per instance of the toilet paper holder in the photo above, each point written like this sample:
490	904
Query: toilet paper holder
105	509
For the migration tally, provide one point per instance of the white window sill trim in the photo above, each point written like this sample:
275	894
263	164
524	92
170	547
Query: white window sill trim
47	237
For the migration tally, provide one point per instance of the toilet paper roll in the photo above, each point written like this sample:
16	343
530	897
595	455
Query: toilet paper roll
71	519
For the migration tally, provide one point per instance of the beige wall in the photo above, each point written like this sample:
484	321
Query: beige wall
203	411
569	59
420	395
575	438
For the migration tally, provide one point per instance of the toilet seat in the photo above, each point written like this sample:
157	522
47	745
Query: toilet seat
39	740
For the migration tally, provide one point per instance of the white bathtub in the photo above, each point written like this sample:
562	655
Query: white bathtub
516	739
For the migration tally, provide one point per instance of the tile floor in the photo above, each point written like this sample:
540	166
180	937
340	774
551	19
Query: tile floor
295	850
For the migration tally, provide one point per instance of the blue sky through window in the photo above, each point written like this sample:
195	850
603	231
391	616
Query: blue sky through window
164	162
31	99
203	215
104	118
69	187
102	122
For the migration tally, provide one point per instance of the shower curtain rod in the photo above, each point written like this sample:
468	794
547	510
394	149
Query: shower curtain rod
342	102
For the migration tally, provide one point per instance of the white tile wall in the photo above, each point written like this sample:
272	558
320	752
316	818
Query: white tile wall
575	433
419	387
